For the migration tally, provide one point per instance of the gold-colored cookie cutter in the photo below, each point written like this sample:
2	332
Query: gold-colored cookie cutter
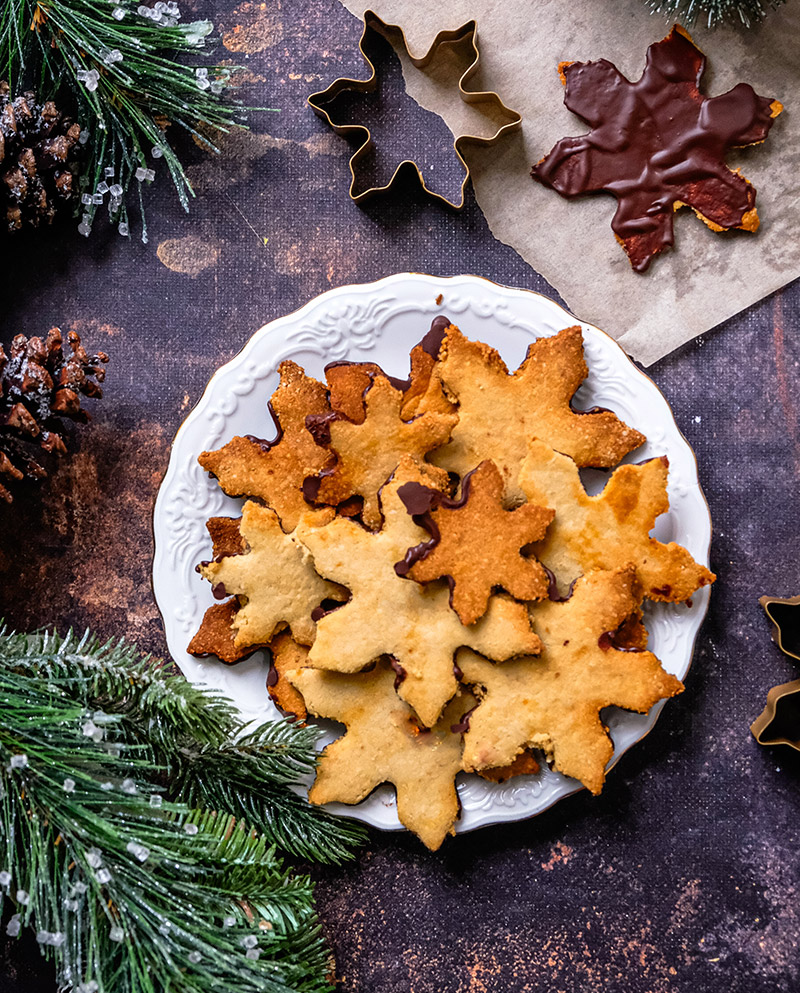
770	724
394	34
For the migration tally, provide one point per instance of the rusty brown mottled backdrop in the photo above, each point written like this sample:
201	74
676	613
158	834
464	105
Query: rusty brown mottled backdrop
683	875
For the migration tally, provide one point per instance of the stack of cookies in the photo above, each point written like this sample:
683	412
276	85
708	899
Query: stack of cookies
425	566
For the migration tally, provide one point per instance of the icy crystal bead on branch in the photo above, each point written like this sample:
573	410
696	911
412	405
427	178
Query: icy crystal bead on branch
118	13
228	921
90	987
252	953
5	879
71	905
69	785
102	187
115	55
116	190
14	926
157	152
139	852
19	761
249	941
103	876
94	858
123	229
54	938
90	729
191	828
89	77
194	957
128	786
23	898
86	199
116	934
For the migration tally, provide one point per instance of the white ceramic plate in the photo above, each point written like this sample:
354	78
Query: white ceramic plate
380	322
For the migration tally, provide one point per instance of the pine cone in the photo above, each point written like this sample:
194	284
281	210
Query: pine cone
38	160
40	386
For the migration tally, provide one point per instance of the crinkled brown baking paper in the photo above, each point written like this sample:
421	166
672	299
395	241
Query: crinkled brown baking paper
707	277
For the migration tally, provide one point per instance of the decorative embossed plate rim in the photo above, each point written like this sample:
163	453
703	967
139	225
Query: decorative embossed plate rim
381	321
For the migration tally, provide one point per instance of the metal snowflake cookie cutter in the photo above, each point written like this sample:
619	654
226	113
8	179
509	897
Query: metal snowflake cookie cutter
785	616
780	718
394	33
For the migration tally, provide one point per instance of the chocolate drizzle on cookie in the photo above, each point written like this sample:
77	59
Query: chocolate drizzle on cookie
463	724
419	501
400	672
607	641
262	443
552	586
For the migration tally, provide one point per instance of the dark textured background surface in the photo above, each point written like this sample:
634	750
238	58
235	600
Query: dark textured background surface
684	874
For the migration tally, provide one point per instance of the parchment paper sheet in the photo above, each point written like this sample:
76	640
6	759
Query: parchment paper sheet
707	277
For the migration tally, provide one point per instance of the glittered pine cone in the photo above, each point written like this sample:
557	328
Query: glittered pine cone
39	149
40	387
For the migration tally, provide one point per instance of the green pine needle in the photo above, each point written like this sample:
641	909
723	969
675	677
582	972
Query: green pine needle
211	758
139	87
714	12
103	757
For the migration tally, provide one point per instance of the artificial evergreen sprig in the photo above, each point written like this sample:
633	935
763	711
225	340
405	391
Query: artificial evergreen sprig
714	12
128	889
124	64
209	757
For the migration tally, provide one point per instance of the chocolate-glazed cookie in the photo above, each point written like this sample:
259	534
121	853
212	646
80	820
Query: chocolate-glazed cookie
658	144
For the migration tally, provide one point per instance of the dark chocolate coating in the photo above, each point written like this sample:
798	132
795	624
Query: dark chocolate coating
655	143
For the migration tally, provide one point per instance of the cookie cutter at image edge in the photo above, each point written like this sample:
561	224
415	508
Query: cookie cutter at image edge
783	694
393	32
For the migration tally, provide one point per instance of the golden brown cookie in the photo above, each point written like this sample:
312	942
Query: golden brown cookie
287	656
554	701
631	635
274	579
348	383
499	412
425	391
226	537
274	471
612	528
384	743
389	615
215	636
363	456
523	765
475	542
